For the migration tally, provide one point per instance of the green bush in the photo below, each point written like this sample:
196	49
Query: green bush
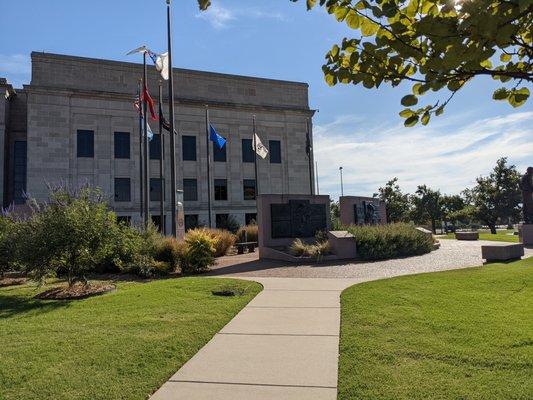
200	251
171	251
248	233
381	242
224	239
317	250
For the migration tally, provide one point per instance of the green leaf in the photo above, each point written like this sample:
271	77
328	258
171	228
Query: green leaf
331	79
439	111
425	118
409	100
406	113
340	13
500	94
454	85
486	64
411	121
519	97
505	57
311	4
334	51
368	28
353	20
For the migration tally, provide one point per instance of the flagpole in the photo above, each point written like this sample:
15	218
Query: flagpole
316	174
162	225
146	154
308	144
254	148
140	148
173	188
208	165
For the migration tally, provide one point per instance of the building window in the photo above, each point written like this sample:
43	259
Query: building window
124	219
250	218
219	155
85	143
248	155
19	171
221	189
190	189
274	151
248	188
188	144
155	189
221	221
191	221
156	220
155	147
122	189
122	145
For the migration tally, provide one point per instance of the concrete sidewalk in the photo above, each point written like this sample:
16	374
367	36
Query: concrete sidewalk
283	345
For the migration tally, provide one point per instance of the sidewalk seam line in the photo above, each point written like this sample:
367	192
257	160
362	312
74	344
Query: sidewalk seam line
276	334
251	384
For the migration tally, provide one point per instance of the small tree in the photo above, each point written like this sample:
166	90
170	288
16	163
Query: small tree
496	198
427	206
71	234
397	202
335	214
452	208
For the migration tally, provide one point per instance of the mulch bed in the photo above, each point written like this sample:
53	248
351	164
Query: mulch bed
8	281
77	291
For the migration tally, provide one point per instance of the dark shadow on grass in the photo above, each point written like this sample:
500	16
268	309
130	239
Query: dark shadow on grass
16	305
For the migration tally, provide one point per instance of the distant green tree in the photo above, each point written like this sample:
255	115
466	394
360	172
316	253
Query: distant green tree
496	198
335	214
433	45
452	206
396	201
427	206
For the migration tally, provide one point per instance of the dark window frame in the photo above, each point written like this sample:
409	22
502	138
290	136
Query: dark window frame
187	195
85	143
248	154
246	187
188	148
274	152
221	190
220	155
155	189
118	198
20	171
195	221
155	147
121	150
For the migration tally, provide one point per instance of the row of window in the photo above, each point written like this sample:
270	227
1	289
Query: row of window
192	220
85	148
190	189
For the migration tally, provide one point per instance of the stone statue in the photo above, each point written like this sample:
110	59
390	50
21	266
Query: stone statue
526	185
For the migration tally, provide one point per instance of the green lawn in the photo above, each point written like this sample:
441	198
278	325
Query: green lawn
121	345
464	334
503	235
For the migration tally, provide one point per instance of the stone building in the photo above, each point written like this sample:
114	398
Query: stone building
75	123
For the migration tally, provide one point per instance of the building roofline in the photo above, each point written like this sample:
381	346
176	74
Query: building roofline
100	61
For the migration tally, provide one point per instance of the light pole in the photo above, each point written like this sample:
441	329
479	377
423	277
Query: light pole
342	187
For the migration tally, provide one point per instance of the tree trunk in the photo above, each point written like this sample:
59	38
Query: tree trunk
433	226
492	229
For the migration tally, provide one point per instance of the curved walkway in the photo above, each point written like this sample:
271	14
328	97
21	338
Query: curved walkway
284	343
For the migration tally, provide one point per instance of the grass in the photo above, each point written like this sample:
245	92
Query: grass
503	235
464	334
121	345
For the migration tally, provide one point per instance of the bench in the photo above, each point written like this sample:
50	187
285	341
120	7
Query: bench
249	245
502	252
467	235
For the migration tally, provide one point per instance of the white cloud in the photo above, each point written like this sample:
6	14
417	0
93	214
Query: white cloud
447	154
16	68
220	17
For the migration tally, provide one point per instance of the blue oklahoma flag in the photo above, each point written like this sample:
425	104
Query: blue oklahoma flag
215	137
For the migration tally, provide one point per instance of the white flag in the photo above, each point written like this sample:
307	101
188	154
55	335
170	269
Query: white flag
260	149
161	64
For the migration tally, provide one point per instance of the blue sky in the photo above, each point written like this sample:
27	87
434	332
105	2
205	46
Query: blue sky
357	128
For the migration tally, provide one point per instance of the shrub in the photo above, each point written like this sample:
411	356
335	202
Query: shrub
69	235
224	240
380	242
8	244
248	233
299	248
171	251
230	224
200	251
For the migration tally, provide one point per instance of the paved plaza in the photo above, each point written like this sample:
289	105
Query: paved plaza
284	343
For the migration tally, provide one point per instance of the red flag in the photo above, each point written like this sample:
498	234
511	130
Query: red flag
148	99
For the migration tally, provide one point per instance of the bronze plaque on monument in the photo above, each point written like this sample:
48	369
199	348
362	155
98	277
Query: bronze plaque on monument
297	219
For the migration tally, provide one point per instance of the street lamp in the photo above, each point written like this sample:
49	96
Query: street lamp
342	187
